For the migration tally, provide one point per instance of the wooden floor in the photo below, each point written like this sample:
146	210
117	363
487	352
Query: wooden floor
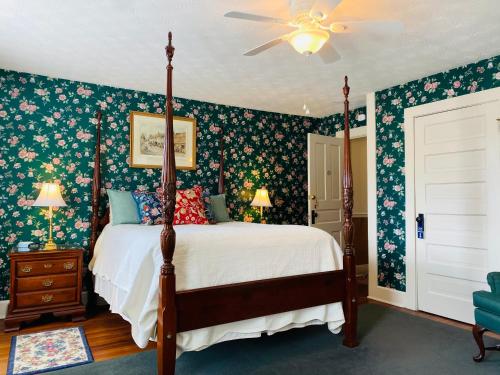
109	335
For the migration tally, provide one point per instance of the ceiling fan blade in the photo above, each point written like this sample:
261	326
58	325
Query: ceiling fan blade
375	27
264	47
254	17
328	54
324	7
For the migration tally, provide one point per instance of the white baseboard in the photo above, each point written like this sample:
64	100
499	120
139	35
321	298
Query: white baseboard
3	308
389	296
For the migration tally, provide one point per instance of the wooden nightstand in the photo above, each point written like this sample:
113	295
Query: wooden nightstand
45	281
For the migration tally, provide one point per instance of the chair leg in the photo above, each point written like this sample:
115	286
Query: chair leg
478	333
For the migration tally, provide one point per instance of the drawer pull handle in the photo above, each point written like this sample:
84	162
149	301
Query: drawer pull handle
69	265
46	298
47	282
27	269
47	265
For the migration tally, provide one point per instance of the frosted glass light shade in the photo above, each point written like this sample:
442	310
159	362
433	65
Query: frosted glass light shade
50	195
261	198
308	42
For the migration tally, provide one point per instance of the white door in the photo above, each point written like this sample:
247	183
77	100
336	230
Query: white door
456	166
325	166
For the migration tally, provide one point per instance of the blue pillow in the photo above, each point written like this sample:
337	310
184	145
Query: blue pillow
219	208
122	207
149	207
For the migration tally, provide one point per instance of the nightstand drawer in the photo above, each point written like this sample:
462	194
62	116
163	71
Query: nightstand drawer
45	267
47	282
45	298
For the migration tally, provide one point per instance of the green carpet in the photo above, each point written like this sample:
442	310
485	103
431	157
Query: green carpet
392	342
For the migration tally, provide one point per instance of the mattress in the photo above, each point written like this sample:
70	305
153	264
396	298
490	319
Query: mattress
127	260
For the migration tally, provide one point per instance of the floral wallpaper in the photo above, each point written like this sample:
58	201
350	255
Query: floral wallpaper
329	125
390	105
47	129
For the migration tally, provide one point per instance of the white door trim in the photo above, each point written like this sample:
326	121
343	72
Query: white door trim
409	129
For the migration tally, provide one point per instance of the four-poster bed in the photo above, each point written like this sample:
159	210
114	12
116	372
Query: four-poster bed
180	311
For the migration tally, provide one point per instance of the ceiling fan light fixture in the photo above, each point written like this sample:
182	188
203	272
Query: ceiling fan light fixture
308	41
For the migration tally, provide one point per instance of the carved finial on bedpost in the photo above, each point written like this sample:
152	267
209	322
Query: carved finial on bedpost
350	303
167	311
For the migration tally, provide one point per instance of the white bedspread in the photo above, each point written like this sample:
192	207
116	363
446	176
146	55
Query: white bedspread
127	260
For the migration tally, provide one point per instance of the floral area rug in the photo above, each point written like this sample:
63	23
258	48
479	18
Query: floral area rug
48	351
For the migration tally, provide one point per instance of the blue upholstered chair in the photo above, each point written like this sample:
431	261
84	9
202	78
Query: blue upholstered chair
487	313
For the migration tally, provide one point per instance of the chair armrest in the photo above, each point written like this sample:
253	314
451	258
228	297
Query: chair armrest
494	282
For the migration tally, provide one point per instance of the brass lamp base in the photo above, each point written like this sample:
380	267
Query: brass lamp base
50	245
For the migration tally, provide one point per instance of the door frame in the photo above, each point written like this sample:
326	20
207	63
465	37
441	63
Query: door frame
410	114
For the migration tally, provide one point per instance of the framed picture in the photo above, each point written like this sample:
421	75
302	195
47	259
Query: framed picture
147	132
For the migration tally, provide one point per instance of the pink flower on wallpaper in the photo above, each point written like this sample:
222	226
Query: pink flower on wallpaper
41	92
40	138
12	189
26	107
450	92
13	140
27	155
390	247
389	204
58	90
11	238
397	188
457	84
14	93
248	184
3	114
48	167
388	161
83	135
72	122
61	142
79	224
248	115
50	120
56	161
37	232
387	119
57	115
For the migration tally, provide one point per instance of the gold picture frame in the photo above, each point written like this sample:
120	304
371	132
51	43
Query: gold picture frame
146	141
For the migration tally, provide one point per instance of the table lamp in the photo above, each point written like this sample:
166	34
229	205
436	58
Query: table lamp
50	196
261	200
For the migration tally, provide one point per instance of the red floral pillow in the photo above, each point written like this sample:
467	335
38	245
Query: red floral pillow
189	207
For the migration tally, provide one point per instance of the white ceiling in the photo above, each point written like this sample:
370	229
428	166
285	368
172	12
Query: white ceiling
120	43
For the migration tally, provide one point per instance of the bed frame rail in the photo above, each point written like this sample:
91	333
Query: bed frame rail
205	307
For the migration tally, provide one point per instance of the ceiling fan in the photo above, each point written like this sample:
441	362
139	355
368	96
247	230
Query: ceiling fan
314	28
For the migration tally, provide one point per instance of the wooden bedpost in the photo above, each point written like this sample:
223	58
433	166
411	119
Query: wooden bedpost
221	161
350	303
96	188
167	311
94	221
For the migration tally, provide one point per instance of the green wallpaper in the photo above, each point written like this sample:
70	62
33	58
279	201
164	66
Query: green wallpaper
390	105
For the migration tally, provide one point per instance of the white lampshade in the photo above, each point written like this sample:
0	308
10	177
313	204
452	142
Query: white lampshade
308	41
50	195
261	198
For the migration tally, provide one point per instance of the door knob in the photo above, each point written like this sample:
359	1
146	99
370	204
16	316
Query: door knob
313	197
